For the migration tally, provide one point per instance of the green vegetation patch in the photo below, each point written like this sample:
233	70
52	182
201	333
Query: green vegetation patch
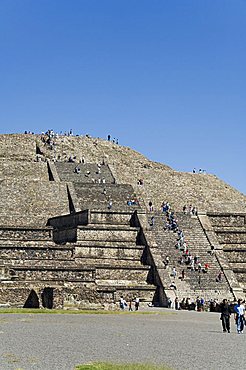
110	366
79	312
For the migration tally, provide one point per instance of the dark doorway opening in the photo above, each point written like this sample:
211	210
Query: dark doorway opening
47	297
32	300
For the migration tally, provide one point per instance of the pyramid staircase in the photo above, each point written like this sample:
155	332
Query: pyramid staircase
195	283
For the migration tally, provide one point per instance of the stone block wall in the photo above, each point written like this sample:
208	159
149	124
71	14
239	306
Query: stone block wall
230	232
54	274
37	254
97	197
233	236
134	274
18	147
109	253
31	203
99	217
106	235
33	171
17	293
25	233
227	220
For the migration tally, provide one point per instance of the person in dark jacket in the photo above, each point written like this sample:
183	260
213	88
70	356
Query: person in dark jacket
225	316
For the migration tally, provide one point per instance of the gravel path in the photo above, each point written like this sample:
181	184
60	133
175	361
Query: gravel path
183	340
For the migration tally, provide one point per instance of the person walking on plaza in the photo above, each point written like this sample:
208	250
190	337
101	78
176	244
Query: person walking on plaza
225	316
239	312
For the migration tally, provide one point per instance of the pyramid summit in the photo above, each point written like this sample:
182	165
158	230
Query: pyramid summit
85	221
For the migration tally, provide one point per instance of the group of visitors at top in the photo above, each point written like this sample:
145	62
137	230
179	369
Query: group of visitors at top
52	134
198	171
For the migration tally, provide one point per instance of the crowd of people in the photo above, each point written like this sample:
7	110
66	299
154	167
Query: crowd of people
187	304
225	308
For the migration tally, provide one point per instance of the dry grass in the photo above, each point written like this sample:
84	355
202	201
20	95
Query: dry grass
78	312
110	366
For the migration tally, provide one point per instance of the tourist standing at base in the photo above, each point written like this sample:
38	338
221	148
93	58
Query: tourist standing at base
137	300
176	304
123	303
239	310
225	316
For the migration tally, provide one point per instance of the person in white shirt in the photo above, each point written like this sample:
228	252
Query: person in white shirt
137	300
123	303
239	312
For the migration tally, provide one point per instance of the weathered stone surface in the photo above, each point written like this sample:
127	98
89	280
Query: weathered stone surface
63	244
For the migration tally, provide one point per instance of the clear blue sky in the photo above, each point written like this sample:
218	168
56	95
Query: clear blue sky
165	77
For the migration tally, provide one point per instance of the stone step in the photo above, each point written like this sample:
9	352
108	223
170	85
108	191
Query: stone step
240	247
110	262
230	229
25	234
23	253
227	219
115	218
124	284
108	227
234	238
39	262
33	244
236	257
90	233
108	252
50	273
88	172
124	244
